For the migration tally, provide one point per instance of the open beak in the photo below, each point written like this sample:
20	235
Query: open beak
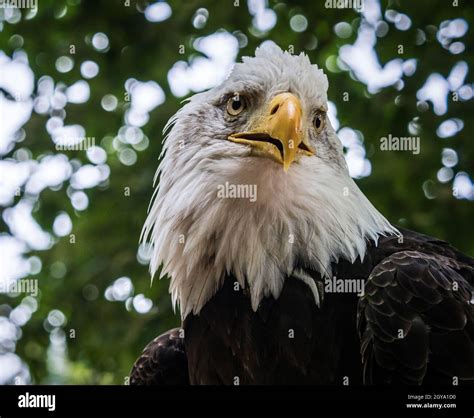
278	134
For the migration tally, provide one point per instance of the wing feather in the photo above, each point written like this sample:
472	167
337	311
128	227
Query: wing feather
416	319
163	362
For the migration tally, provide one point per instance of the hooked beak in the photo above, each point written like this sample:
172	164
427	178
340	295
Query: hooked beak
278	134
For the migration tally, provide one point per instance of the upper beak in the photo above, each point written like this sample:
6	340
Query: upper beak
278	134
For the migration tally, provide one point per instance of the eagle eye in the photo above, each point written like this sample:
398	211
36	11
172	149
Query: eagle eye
236	104
319	122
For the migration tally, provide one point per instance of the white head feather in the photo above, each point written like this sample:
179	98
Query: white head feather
314	213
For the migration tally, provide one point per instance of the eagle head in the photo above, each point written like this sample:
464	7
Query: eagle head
253	185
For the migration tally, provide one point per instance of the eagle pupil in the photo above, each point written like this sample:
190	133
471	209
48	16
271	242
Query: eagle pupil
317	122
236	104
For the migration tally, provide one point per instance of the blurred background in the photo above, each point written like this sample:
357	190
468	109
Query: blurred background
111	73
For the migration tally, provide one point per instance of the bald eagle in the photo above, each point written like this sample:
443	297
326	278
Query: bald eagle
283	271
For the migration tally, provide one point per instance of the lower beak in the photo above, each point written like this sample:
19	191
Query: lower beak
278	134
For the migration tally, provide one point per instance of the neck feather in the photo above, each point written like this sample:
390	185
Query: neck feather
199	235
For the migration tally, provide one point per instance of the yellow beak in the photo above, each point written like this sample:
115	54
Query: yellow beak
278	134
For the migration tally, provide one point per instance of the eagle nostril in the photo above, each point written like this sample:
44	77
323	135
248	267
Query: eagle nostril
275	109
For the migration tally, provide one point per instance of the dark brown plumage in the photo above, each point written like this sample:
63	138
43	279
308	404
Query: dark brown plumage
163	362
415	324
